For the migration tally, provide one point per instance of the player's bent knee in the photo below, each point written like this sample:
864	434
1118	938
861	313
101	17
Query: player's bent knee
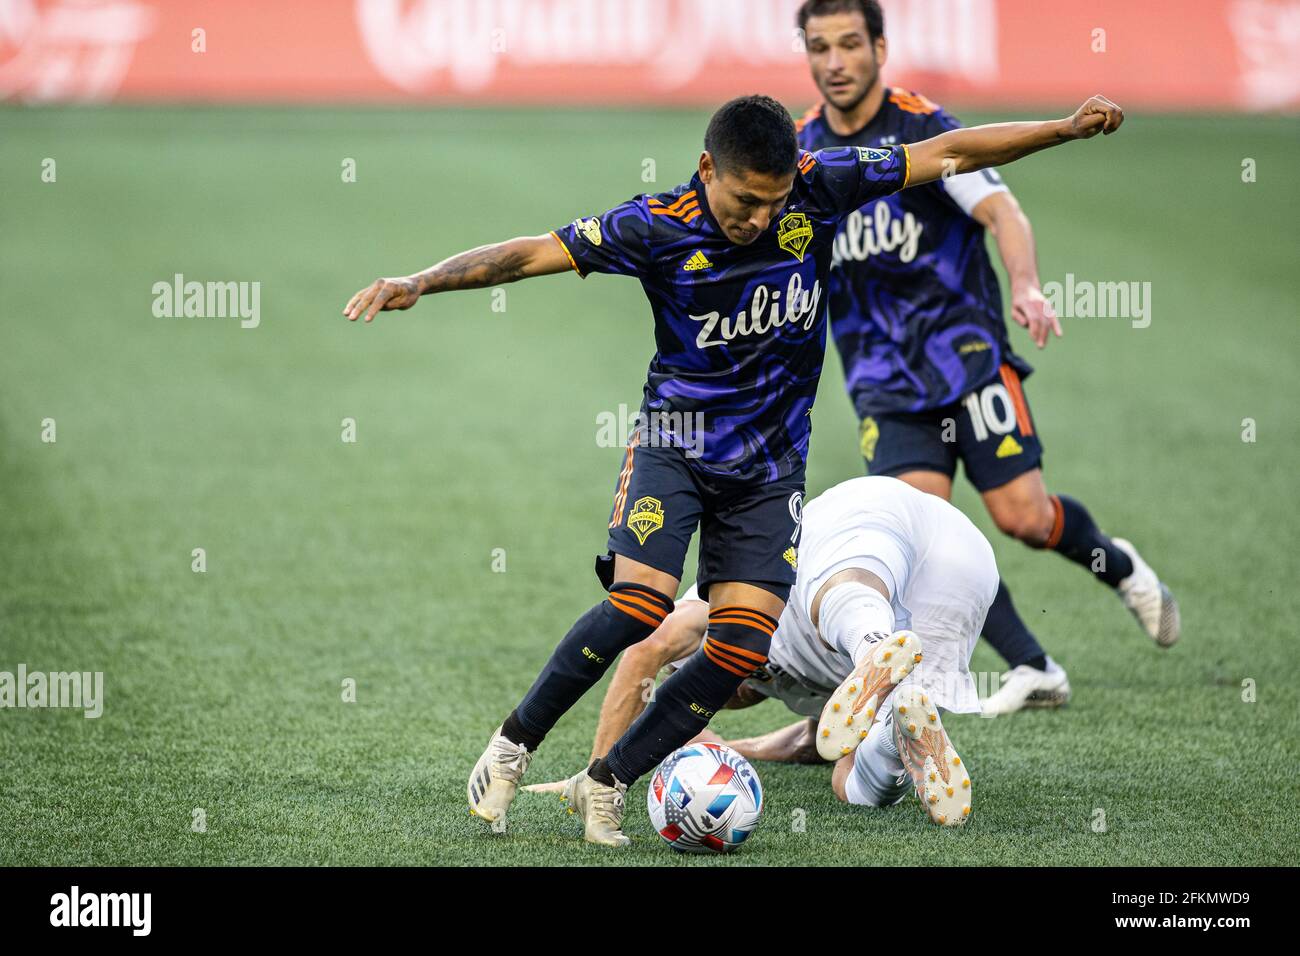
738	639
635	611
651	653
1032	526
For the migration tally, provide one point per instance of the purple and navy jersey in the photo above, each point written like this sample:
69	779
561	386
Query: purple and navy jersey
915	306
739	330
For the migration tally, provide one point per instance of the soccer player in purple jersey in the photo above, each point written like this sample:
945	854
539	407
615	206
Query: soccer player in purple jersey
916	313
734	264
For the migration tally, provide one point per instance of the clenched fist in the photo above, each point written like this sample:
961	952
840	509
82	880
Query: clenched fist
1098	115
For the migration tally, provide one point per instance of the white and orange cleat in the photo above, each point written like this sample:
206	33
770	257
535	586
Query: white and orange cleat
941	778
853	707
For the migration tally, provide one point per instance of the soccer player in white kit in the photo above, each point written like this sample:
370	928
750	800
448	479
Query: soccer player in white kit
891	592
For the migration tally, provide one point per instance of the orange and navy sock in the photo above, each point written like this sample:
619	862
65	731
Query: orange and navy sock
1076	536
736	645
629	614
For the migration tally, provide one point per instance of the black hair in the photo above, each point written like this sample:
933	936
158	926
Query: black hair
752	134
870	10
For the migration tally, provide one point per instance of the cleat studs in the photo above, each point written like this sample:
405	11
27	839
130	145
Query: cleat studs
911	728
826	732
888	655
862	735
853	688
933	777
933	718
943	818
965	811
934	798
965	784
902	641
848	721
956	761
902	710
871	712
950	791
846	750
924	699
835	707
916	658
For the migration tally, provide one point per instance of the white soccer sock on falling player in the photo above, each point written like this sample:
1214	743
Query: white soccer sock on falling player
853	616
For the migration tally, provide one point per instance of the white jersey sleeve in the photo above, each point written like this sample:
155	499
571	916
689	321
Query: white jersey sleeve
968	190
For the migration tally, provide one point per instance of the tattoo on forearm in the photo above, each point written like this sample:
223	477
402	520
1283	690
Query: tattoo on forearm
475	269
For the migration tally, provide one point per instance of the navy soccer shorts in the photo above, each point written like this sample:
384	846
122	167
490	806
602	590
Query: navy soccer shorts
990	432
749	531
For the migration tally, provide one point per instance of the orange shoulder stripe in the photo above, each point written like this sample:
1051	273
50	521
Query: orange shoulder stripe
910	102
684	211
684	199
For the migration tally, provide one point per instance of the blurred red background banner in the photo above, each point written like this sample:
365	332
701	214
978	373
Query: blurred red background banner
1156	54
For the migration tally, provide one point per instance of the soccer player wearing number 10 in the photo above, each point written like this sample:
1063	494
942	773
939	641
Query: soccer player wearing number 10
734	264
916	315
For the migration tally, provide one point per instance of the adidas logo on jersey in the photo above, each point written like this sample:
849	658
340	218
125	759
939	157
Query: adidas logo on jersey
696	262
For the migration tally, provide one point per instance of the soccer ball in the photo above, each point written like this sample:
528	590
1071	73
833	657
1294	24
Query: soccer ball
704	798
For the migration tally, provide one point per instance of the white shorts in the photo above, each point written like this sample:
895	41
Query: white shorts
938	567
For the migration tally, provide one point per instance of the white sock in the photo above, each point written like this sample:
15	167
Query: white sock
878	778
853	617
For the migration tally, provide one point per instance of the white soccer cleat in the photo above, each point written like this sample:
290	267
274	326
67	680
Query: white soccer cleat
939	775
1027	686
495	778
601	808
1148	600
852	708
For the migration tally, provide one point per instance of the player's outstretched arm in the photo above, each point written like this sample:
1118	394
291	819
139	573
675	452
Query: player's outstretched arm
494	264
1001	215
795	743
978	147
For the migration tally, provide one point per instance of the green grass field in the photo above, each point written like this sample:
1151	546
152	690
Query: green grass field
476	431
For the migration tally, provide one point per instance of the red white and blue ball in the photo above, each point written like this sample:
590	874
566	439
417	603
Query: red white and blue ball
704	798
